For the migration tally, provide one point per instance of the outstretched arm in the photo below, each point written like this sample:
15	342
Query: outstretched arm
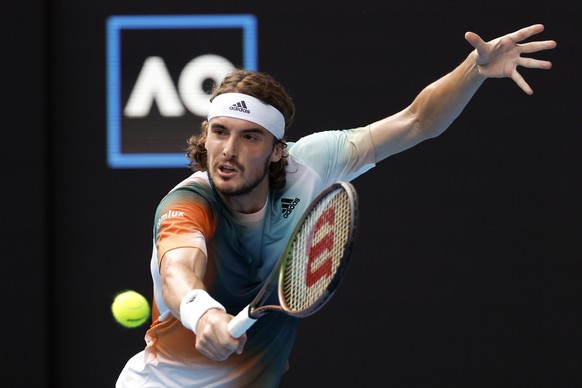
440	103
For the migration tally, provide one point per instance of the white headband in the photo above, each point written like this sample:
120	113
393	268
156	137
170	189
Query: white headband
243	106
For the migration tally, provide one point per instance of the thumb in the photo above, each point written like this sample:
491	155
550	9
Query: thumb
474	39
241	344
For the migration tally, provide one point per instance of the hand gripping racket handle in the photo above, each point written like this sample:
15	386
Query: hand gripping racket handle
241	323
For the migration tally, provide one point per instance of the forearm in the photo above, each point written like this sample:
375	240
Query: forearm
431	112
441	102
182	270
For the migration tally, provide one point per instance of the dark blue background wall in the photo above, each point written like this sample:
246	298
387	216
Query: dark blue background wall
467	268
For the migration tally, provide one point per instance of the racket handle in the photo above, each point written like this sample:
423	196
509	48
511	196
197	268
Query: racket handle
240	323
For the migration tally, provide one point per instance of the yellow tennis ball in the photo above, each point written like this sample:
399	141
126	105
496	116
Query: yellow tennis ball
130	309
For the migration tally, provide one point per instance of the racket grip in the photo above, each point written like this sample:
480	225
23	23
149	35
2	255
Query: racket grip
240	323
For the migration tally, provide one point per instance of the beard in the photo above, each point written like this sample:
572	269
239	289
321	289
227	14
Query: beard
246	187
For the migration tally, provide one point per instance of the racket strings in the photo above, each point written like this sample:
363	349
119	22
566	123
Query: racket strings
317	252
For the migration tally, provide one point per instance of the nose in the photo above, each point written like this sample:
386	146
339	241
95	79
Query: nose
230	148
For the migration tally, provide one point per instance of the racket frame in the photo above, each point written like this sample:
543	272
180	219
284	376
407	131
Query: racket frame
344	261
252	312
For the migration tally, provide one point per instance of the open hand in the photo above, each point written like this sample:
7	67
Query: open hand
500	57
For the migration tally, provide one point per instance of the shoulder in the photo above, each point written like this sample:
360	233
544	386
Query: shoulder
323	142
197	183
194	191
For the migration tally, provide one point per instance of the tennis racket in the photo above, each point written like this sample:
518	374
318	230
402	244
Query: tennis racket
313	262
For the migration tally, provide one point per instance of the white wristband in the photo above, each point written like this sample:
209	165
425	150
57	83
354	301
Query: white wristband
194	305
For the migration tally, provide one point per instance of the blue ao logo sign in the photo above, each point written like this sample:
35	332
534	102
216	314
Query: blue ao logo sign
160	70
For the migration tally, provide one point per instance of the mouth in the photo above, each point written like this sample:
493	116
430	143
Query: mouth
226	170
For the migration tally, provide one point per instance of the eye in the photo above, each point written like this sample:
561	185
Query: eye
218	131
250	137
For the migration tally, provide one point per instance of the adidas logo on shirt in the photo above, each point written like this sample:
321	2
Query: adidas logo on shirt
240	106
287	205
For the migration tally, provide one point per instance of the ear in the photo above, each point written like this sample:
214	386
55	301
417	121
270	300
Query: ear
277	153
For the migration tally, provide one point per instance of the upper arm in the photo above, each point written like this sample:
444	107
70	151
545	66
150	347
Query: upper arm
395	133
184	267
185	221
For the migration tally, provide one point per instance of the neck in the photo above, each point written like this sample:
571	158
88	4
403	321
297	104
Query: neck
247	203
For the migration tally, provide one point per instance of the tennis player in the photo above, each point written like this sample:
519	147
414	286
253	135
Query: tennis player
218	234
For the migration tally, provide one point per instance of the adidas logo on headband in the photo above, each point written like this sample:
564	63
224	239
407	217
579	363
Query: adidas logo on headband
240	106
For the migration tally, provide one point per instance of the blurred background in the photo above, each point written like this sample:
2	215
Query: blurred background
467	270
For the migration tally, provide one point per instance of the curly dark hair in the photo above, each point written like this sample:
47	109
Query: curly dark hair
259	85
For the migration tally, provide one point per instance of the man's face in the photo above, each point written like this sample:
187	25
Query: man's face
239	153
